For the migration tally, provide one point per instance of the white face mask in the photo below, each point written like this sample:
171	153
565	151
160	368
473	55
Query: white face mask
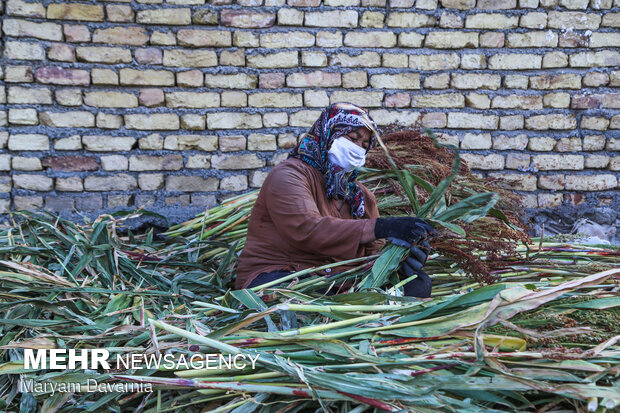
346	154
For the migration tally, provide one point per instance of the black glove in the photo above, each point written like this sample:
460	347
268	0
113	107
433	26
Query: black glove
408	229
416	260
419	287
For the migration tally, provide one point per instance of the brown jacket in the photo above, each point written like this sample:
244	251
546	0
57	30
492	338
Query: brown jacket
293	226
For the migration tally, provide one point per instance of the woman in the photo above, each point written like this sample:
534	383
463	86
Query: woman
311	211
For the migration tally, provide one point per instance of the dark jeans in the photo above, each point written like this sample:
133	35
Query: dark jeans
268	277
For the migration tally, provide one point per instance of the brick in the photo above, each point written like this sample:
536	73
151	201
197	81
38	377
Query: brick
491	21
526	102
576	20
191	183
271	80
275	100
372	19
76	33
61	53
410	20
328	39
233	120
613	144
596	123
386	117
234	183
568	144
532	39
33	182
314	79
245	39
597	161
593	59
274	60
585	102
518	182
204	38
570	39
593	142
149	56
458	4
558	162
23	117
476	81
234	99
363	99
370	39
22	163
334	18
155	121
198	162
235	81
304	118
397	100
192	100
70	143
109	121
29	95
114	163
24	9
473	61
554	60
434	61
313	59
5	162
151	97
190	58
110	100
476	141
149	77
70	184
75	11
440	81
556	100
24	51
18	74
155	162
228	162
110	55
614	163
28	142
118	182
279	40
534	20
315	98
549	200
257	178
472	120
595	79
496	4
189	142
553	121
246	19
503	142
4	139
364	59
611	100
135	36
605	40
119	13
485	162
192	121
290	17
356	79
590	182
477	101
262	142
275	119
232	143
27	202
102	143
23	28
447	100
407	40
79	119
555	182
163	38
451	40
611	20
509	61
395	60
492	39
105	77
451	21
70	163
191	78
398	81
177	16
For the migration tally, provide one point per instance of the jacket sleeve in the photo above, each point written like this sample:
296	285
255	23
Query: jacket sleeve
293	209
372	212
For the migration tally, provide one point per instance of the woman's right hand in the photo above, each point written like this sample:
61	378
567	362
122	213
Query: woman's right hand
408	230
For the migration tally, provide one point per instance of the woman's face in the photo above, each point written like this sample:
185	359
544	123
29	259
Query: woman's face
360	137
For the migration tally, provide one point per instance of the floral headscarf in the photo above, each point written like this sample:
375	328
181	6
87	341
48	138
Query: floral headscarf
335	121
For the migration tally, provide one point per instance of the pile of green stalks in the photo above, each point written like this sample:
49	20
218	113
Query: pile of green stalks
542	336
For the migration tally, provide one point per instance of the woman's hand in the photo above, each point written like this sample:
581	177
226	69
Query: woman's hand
405	230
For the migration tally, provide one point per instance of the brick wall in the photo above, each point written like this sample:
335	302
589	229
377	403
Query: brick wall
112	104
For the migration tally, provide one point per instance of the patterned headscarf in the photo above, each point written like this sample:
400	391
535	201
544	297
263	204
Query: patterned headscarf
335	121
